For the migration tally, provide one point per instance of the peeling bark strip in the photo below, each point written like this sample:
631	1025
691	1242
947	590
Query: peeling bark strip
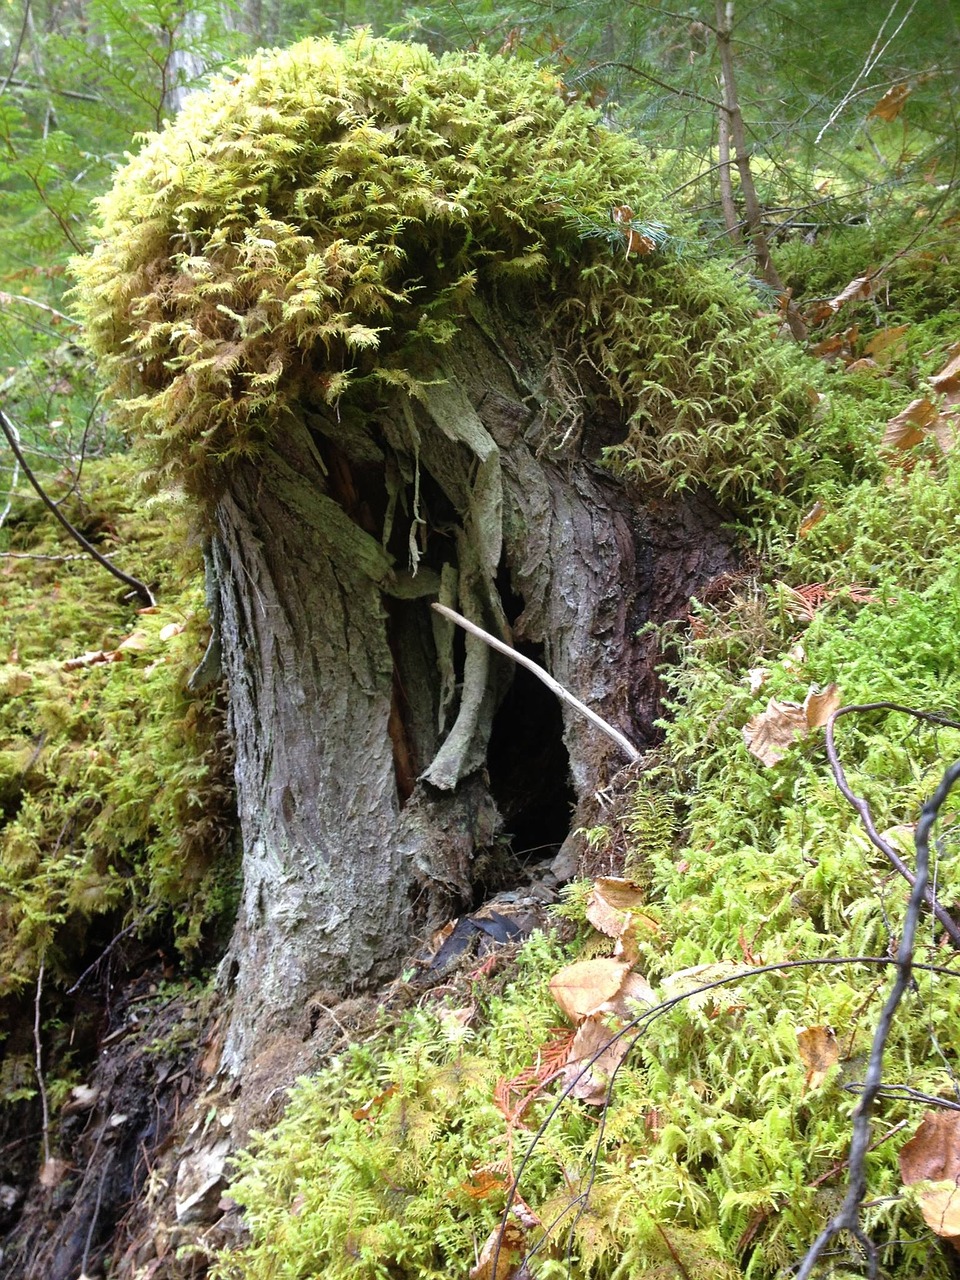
328	551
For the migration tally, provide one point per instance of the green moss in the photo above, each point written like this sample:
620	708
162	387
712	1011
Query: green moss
114	781
313	229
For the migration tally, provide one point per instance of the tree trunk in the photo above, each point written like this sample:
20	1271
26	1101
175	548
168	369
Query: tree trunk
732	130
379	756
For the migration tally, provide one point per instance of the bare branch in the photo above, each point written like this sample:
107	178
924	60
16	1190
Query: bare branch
863	809
848	1217
140	588
38	1065
7	298
625	745
873	57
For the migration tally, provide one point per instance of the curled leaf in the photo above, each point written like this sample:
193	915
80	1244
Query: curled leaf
582	989
891	104
503	1251
910	426
818	1053
771	733
594	1036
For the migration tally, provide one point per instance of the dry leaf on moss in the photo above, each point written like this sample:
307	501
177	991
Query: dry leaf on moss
594	1036
910	426
933	1153
53	1172
930	1161
508	1245
818	1053
812	518
818	707
948	379
584	988
891	340
136	642
856	290
613	908
771	733
940	1205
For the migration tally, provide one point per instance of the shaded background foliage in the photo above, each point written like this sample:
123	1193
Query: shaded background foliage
845	189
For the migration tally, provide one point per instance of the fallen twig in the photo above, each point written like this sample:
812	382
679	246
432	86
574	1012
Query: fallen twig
140	588
625	745
38	1066
848	1216
863	808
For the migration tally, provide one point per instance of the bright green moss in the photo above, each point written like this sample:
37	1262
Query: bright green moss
114	782
313	230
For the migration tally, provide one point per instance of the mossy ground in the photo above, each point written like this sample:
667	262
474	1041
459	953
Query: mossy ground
115	782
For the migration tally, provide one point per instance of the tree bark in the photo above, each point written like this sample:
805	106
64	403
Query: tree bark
362	723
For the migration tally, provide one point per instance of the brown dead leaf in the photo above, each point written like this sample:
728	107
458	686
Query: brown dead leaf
817	313
172	629
910	426
818	707
136	642
487	1180
818	1053
771	733
582	989
636	990
812	518
594	1036
757	677
933	1153
940	1205
611	902
891	104
639	243
891	340
855	291
507	1244
53	1173
369	1109
930	1160
948	379
945	431
829	346
864	365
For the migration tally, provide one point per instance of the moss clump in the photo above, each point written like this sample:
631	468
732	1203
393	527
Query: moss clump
312	230
115	782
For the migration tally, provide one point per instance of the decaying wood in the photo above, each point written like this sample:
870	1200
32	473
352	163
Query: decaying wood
626	746
367	792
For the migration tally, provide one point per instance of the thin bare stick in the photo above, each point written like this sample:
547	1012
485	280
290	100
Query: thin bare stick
7	298
625	745
139	588
863	808
36	555
38	1064
848	1216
